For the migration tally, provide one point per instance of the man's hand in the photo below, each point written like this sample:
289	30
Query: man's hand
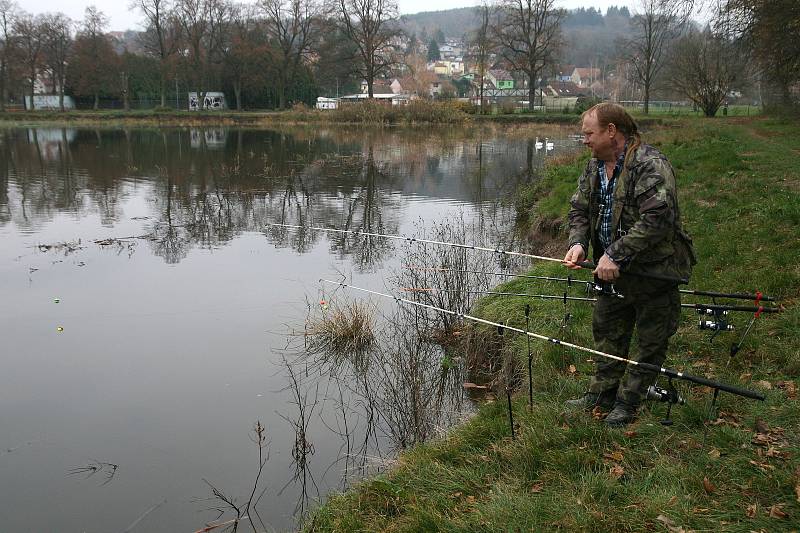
574	255
607	270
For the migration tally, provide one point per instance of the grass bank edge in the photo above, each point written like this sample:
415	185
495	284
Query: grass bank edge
564	471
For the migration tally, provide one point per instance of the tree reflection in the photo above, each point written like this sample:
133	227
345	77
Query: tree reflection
203	191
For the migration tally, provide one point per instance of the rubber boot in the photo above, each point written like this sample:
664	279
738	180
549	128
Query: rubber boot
590	400
622	414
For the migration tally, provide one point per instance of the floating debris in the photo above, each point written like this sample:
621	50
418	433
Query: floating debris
56	300
66	247
60	329
93	467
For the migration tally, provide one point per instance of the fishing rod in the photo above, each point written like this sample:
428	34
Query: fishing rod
567	280
570	280
732	295
582	264
669	373
497	293
702	309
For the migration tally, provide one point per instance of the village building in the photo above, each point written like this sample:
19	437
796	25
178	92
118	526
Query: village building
584	77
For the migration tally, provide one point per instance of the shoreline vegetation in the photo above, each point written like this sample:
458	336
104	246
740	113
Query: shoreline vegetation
363	113
737	470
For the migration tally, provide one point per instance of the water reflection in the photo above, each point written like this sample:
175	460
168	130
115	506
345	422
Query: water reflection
205	190
173	299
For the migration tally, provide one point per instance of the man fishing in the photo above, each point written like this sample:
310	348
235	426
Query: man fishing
626	208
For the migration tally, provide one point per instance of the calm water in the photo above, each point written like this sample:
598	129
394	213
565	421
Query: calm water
146	313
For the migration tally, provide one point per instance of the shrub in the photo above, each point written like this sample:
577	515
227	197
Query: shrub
443	112
508	108
584	103
375	112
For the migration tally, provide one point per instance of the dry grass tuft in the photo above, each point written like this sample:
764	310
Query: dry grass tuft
345	329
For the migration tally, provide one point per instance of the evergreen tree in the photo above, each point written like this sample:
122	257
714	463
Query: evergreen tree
433	51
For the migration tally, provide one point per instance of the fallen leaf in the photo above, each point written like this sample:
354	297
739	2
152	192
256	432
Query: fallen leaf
670	524
760	439
667	521
470	499
774	452
745	377
763	466
751	511
776	512
537	488
789	386
763	383
708	486
714	453
572	369
614	456
673	500
457	494
617	471
630	434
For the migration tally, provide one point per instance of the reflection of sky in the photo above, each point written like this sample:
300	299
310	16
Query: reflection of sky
163	367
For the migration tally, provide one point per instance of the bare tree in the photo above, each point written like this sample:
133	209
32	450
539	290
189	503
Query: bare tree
419	78
703	68
94	61
245	54
769	29
657	23
8	13
203	24
369	25
28	36
291	29
160	38
482	47
528	33
57	37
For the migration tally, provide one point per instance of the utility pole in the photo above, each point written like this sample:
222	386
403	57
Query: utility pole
177	108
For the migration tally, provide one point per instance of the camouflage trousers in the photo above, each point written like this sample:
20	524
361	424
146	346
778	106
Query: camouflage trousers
655	317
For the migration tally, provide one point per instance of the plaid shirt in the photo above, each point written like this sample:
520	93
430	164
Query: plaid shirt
604	230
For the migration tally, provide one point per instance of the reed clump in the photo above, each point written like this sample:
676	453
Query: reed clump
341	329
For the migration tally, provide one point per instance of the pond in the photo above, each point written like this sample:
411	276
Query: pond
151	318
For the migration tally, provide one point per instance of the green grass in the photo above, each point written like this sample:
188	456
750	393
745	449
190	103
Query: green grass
740	198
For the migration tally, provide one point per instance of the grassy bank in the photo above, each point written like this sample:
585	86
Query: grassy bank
362	113
740	198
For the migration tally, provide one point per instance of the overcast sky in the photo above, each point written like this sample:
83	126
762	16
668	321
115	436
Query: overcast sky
122	19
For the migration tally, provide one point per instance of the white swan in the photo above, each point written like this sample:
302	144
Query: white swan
538	144
548	144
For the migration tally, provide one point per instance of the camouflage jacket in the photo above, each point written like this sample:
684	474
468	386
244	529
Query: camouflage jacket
647	233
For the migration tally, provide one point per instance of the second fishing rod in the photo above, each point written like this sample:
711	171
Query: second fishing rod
583	264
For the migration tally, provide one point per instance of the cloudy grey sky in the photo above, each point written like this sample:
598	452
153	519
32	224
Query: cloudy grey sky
121	18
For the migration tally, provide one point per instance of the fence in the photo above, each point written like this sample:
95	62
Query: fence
658	107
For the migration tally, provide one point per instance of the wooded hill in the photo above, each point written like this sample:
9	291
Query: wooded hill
591	36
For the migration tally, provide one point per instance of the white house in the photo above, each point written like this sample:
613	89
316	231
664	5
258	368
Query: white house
211	100
327	103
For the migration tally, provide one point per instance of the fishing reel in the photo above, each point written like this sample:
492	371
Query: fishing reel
715	326
668	395
659	394
599	287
